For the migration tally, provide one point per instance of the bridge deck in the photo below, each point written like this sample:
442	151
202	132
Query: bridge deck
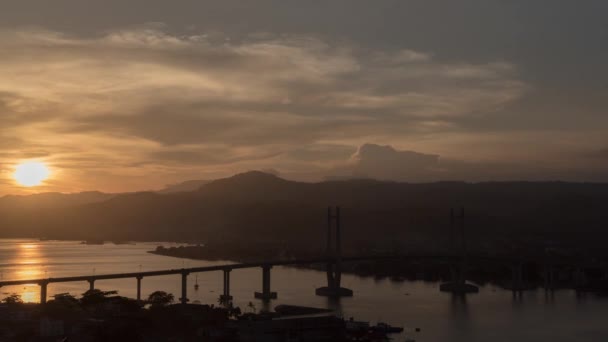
196	270
254	265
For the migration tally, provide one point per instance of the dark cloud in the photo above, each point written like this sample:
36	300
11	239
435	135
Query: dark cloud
387	163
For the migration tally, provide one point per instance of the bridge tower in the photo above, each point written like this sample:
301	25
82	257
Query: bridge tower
458	282
334	255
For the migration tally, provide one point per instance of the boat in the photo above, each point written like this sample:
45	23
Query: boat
121	242
356	326
386	328
93	242
296	310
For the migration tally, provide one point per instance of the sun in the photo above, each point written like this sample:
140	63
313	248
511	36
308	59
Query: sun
31	173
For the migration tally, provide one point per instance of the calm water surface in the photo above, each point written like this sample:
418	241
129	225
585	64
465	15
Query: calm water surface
491	315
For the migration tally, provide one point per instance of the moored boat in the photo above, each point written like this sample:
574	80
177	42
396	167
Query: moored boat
386	328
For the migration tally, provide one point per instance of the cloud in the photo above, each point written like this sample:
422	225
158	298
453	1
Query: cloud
384	162
166	102
387	163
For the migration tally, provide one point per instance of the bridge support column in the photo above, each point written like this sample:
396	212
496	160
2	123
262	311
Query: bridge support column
549	278
43	288
580	279
184	298
139	278
266	294
226	297
517	279
91	284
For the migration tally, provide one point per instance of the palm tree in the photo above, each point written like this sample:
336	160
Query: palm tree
13	299
252	307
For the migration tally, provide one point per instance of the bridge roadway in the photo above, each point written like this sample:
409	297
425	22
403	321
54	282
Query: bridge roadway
210	269
266	266
184	272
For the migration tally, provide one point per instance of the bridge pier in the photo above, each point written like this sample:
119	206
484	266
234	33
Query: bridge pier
549	278
517	279
139	278
266	294
458	284
517	282
43	288
226	297
184	298
91	284
333	288
580	279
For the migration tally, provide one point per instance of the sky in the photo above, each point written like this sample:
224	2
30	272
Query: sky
120	95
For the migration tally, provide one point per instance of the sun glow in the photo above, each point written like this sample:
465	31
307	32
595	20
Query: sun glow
31	173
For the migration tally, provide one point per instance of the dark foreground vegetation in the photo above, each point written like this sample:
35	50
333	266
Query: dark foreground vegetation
105	316
100	316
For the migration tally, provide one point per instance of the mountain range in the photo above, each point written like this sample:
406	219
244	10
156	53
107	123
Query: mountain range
259	207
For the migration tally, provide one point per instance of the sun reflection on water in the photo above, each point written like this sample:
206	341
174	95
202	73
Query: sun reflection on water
30	265
30	294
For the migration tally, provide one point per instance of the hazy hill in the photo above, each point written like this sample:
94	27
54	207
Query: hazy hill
52	200
255	206
190	185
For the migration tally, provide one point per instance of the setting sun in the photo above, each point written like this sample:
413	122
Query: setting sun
31	173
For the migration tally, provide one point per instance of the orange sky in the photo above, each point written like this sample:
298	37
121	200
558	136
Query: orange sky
147	98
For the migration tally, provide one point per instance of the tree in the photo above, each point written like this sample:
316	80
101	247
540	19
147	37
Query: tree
13	299
65	299
233	311
160	299
95	296
251	306
63	304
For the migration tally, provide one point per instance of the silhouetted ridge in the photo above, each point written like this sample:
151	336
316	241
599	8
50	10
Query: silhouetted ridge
262	206
53	199
250	178
250	186
186	186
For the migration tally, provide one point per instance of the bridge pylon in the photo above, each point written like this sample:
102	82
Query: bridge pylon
334	254
458	283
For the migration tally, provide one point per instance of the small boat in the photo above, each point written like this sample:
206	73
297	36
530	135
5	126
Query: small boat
386	328
93	242
296	310
121	242
356	326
